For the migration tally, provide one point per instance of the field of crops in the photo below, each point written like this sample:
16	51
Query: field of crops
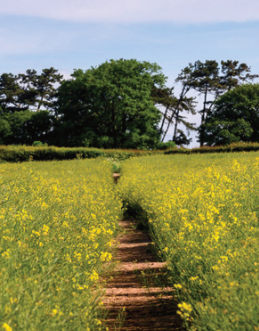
58	221
203	211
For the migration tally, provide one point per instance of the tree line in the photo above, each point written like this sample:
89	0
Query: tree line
126	104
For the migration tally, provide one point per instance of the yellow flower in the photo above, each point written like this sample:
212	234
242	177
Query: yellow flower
45	229
185	307
193	278
54	312
6	254
6	327
105	256
37	233
65	224
179	286
94	276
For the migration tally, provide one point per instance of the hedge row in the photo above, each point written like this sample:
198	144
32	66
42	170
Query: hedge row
26	153
236	147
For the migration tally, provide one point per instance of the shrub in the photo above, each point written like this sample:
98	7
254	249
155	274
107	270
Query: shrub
167	145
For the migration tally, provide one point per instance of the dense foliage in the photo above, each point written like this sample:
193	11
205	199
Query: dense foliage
119	104
235	117
25	127
111	106
210	80
30	90
27	106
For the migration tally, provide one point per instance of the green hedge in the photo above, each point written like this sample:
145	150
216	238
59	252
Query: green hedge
26	153
15	153
236	147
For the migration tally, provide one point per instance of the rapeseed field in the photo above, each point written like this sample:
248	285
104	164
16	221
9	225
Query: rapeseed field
57	224
58	221
203	213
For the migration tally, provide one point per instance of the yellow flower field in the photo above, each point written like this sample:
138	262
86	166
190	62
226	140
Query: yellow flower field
58	221
203	213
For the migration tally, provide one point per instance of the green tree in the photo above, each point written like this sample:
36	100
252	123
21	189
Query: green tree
210	80
234	74
235	117
203	78
166	101
10	94
26	102
111	106
29	91
40	91
25	126
172	110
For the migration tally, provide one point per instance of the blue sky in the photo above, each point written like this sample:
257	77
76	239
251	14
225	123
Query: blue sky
75	34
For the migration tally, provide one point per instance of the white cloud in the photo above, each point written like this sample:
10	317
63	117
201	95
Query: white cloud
130	11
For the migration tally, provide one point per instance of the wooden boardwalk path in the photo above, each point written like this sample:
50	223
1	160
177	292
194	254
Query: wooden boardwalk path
136	288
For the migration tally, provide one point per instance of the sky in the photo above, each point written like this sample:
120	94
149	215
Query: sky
69	35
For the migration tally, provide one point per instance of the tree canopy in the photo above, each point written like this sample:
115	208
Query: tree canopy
25	127
111	105
29	91
235	117
126	104
27	106
210	80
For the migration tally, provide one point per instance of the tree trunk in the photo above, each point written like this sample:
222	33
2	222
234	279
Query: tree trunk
163	121
40	102
203	118
176	124
168	125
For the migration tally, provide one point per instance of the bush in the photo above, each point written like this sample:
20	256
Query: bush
168	145
37	143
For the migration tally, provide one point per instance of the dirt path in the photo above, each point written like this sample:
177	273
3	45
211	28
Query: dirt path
137	287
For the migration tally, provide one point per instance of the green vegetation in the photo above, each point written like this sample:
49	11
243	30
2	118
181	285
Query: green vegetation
40	152
111	106
58	221
44	153
210	80
126	104
202	212
235	117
